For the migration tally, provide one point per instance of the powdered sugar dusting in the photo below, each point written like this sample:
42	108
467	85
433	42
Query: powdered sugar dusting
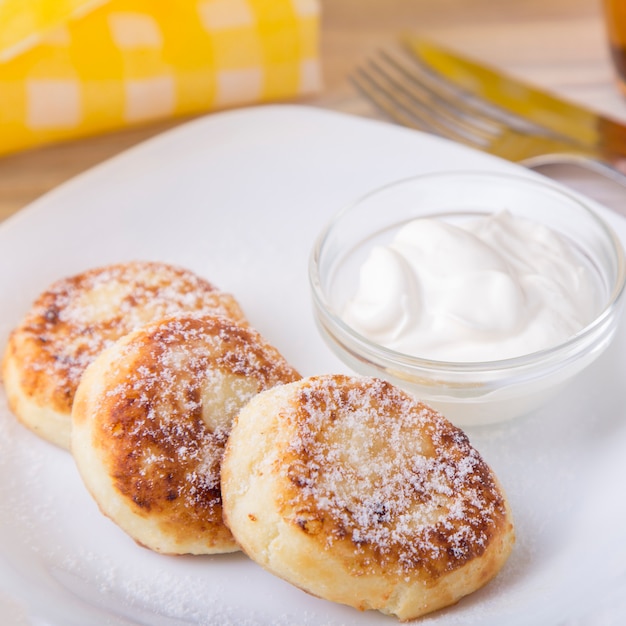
164	422
78	317
376	468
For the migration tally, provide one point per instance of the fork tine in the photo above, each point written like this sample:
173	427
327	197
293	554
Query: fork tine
398	108
414	95
415	106
390	100
451	100
371	90
471	104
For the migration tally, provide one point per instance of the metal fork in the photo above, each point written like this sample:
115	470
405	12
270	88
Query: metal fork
413	96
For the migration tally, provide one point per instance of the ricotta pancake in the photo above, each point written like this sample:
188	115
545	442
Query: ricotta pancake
355	492
77	317
151	417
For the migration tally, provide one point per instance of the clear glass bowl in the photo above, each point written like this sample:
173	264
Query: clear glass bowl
466	392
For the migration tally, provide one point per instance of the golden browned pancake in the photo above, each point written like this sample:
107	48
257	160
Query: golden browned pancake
355	492
77	317
150	420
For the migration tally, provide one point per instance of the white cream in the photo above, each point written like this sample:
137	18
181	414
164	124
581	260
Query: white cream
479	290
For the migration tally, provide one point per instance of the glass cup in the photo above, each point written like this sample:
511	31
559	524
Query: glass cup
615	18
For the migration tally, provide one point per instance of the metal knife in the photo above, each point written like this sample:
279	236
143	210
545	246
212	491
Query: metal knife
540	107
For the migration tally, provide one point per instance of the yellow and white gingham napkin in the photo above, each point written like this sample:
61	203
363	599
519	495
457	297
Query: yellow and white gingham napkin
70	68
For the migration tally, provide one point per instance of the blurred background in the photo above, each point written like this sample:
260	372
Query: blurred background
557	44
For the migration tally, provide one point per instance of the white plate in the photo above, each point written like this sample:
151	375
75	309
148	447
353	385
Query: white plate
239	198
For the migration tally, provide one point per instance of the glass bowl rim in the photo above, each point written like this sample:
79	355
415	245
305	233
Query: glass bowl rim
378	354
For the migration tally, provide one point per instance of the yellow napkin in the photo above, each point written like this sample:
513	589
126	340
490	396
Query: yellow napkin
70	68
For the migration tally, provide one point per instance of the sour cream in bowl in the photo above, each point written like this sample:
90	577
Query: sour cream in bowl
482	293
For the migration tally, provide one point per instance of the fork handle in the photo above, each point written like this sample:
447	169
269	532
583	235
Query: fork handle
604	169
595	165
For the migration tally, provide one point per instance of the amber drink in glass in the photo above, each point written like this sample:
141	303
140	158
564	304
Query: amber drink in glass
615	17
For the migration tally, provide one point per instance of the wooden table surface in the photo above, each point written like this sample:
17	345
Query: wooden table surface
558	44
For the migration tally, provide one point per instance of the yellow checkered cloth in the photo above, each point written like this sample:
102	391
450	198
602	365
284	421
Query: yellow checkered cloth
71	68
